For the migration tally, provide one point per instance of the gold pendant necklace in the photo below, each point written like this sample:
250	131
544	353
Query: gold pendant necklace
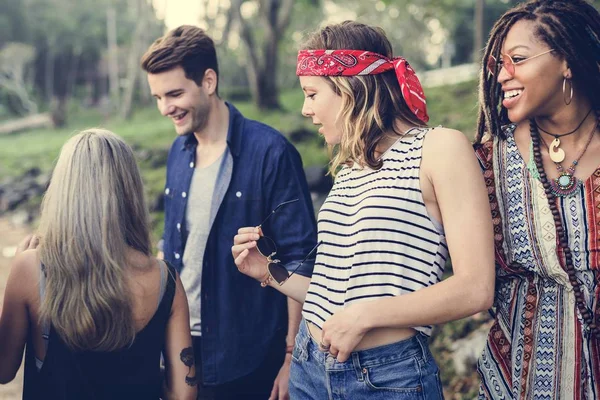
556	154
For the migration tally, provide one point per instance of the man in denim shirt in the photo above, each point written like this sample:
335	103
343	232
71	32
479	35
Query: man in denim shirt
225	171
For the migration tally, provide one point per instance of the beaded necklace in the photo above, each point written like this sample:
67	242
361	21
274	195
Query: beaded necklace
590	325
566	185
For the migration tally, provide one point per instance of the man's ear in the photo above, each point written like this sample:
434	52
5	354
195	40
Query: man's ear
210	81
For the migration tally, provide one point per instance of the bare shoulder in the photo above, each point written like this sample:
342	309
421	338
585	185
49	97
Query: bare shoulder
446	147
27	263
446	140
25	273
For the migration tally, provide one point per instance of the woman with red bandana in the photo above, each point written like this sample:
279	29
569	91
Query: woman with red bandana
405	197
539	145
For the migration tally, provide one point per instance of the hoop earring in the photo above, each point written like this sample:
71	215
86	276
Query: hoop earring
564	91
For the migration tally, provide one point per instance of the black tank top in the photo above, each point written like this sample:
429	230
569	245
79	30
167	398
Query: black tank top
130	373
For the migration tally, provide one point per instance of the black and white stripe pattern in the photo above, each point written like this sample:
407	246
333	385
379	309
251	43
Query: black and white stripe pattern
377	237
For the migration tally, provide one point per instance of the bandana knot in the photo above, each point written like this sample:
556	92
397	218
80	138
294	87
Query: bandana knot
361	62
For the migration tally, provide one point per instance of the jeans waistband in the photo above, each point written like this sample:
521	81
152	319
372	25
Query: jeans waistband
413	347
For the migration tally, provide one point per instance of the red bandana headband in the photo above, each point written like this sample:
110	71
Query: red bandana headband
360	62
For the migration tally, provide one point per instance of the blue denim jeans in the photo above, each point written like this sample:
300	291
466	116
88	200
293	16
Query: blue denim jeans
401	370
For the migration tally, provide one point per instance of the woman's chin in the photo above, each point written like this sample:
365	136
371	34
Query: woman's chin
517	117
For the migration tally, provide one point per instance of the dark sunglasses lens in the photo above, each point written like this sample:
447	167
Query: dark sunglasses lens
266	246
278	272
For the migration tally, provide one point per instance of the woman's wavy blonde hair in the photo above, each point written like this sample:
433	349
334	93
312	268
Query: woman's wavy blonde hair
92	213
371	104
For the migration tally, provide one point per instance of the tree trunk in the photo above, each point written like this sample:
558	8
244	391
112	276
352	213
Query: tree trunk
73	70
49	73
275	16
268	90
113	61
478	39
133	68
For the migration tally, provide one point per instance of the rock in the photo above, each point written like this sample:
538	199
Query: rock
154	157
16	192
466	351
32	172
21	218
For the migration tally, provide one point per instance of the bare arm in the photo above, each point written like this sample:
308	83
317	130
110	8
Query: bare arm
451	168
179	358
461	195
14	319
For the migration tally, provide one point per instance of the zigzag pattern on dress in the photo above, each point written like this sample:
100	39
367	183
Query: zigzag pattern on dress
538	347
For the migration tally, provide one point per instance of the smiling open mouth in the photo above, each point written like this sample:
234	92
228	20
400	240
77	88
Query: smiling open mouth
510	94
179	116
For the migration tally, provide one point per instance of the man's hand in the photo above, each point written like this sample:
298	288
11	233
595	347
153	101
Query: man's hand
29	242
281	385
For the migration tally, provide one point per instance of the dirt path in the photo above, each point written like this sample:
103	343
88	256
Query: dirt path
9	237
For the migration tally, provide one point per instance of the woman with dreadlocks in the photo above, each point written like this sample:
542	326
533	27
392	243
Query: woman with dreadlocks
538	142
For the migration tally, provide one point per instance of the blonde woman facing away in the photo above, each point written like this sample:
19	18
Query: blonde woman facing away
405	197
90	306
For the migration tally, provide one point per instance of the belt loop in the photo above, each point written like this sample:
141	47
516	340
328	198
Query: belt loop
302	342
424	344
357	368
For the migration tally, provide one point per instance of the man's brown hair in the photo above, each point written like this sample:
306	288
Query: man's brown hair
186	46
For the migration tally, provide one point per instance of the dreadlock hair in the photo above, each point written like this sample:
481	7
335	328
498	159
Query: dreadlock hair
570	27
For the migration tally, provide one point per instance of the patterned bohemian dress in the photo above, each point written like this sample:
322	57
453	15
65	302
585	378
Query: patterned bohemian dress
538	346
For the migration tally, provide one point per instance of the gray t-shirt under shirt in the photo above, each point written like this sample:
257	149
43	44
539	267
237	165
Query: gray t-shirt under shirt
197	218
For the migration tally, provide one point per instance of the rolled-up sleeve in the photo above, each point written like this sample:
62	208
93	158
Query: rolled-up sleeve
293	227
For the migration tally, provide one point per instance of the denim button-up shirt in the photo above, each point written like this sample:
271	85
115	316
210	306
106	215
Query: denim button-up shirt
260	169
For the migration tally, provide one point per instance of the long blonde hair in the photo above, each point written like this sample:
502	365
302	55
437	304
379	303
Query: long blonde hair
92	213
371	104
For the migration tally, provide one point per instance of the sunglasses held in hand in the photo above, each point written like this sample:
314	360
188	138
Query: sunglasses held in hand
266	246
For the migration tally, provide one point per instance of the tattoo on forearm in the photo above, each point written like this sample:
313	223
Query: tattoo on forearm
187	358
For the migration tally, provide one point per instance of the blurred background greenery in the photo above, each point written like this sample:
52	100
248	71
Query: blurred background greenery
66	65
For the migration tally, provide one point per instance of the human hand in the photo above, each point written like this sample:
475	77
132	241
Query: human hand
247	258
29	242
281	385
343	331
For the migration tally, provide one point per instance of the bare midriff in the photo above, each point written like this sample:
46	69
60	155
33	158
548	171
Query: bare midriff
373	338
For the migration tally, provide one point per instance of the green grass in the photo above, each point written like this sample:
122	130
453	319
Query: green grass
453	107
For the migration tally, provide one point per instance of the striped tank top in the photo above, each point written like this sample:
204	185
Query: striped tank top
377	239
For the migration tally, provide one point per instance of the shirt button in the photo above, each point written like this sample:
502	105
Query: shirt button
184	195
192	164
167	191
178	226
238	194
177	256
